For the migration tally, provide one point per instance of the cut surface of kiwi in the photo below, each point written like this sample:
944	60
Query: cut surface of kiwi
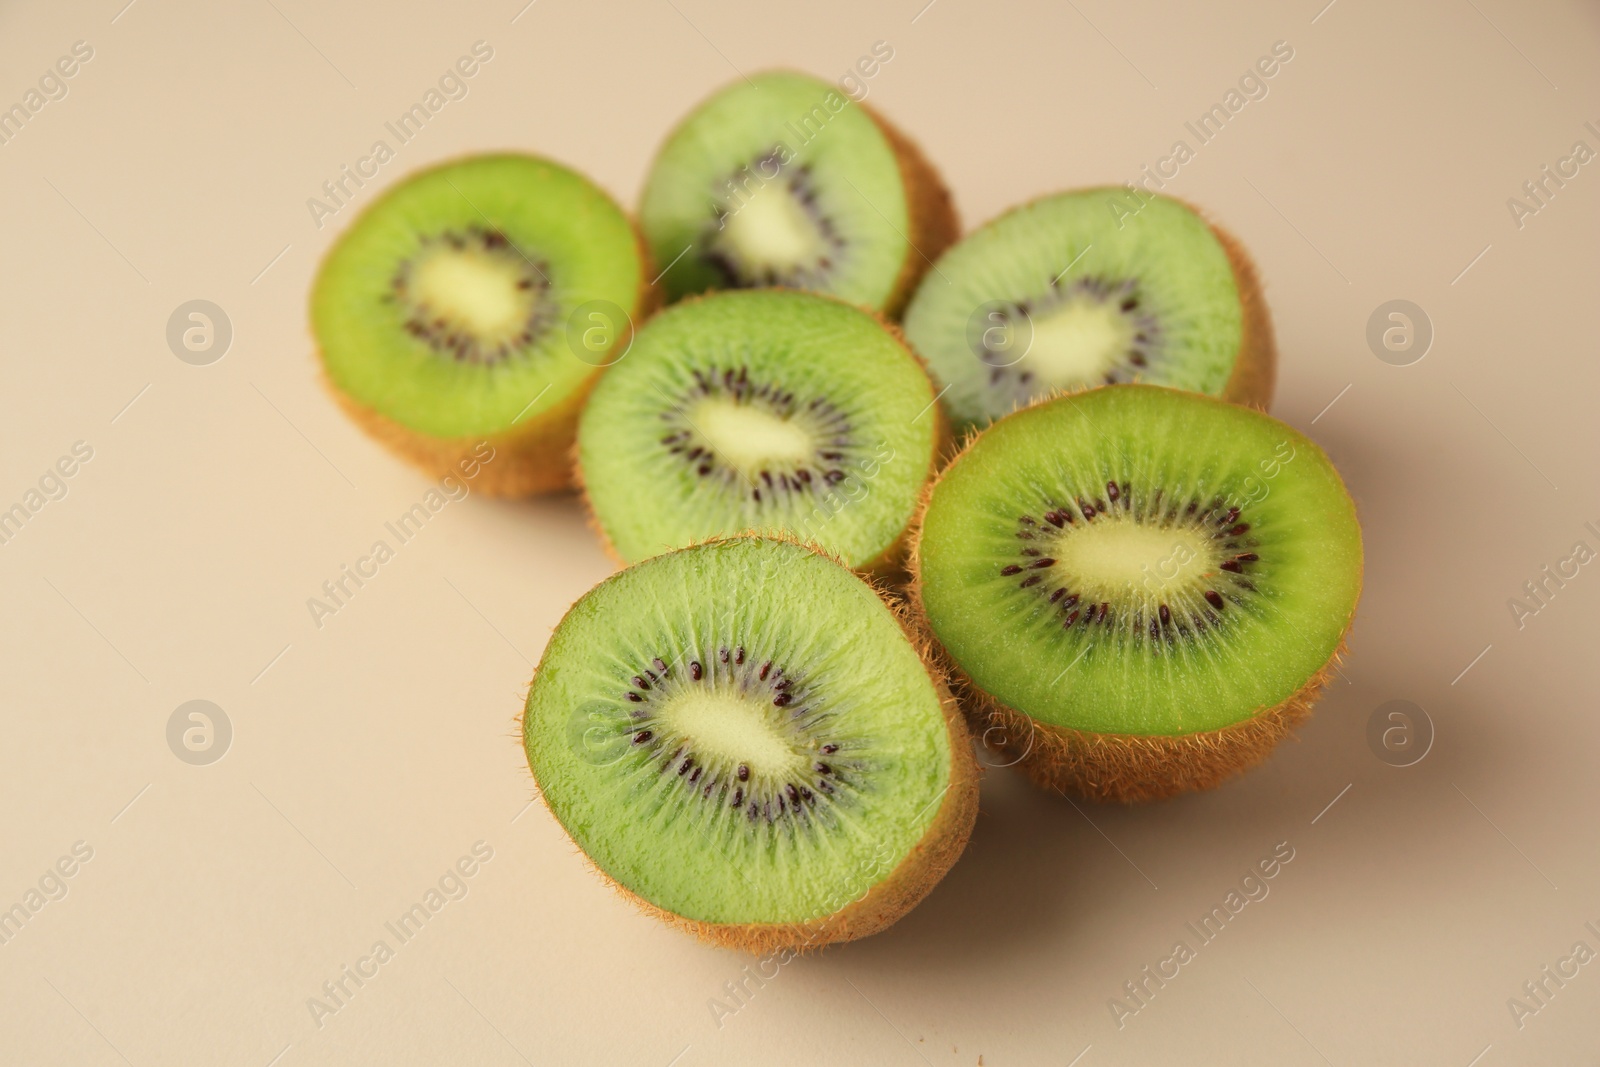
1140	588
769	410
1090	288
780	179
742	738
477	301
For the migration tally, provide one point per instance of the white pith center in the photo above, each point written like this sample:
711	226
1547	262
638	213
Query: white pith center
1078	342
1117	559
474	291
771	229
750	437
725	725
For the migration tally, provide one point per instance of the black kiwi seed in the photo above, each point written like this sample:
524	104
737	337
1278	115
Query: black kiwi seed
796	182
768	801
1213	518
425	322
1009	375
827	424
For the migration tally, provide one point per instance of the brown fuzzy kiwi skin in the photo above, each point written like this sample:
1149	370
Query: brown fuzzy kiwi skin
929	860
524	464
930	210
1255	371
1134	768
529	461
1125	768
888	566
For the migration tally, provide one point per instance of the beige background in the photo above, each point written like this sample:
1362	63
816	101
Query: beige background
370	754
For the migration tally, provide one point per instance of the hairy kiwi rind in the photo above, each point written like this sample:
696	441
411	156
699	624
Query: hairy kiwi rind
889	900
934	224
1125	768
888	566
1255	371
530	461
524	464
893	565
1133	768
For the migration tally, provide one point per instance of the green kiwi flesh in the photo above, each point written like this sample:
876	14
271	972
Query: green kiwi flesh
742	738
453	308
1078	290
1135	563
780	179
769	410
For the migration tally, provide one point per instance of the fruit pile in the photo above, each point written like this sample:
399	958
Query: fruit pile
1046	509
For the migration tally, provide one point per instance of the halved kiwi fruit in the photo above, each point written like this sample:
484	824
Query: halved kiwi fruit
477	302
1140	590
780	179
1089	288
741	737
769	410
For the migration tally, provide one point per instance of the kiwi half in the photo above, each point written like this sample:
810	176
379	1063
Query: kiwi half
770	410
744	741
1139	590
1089	288
780	179
476	302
